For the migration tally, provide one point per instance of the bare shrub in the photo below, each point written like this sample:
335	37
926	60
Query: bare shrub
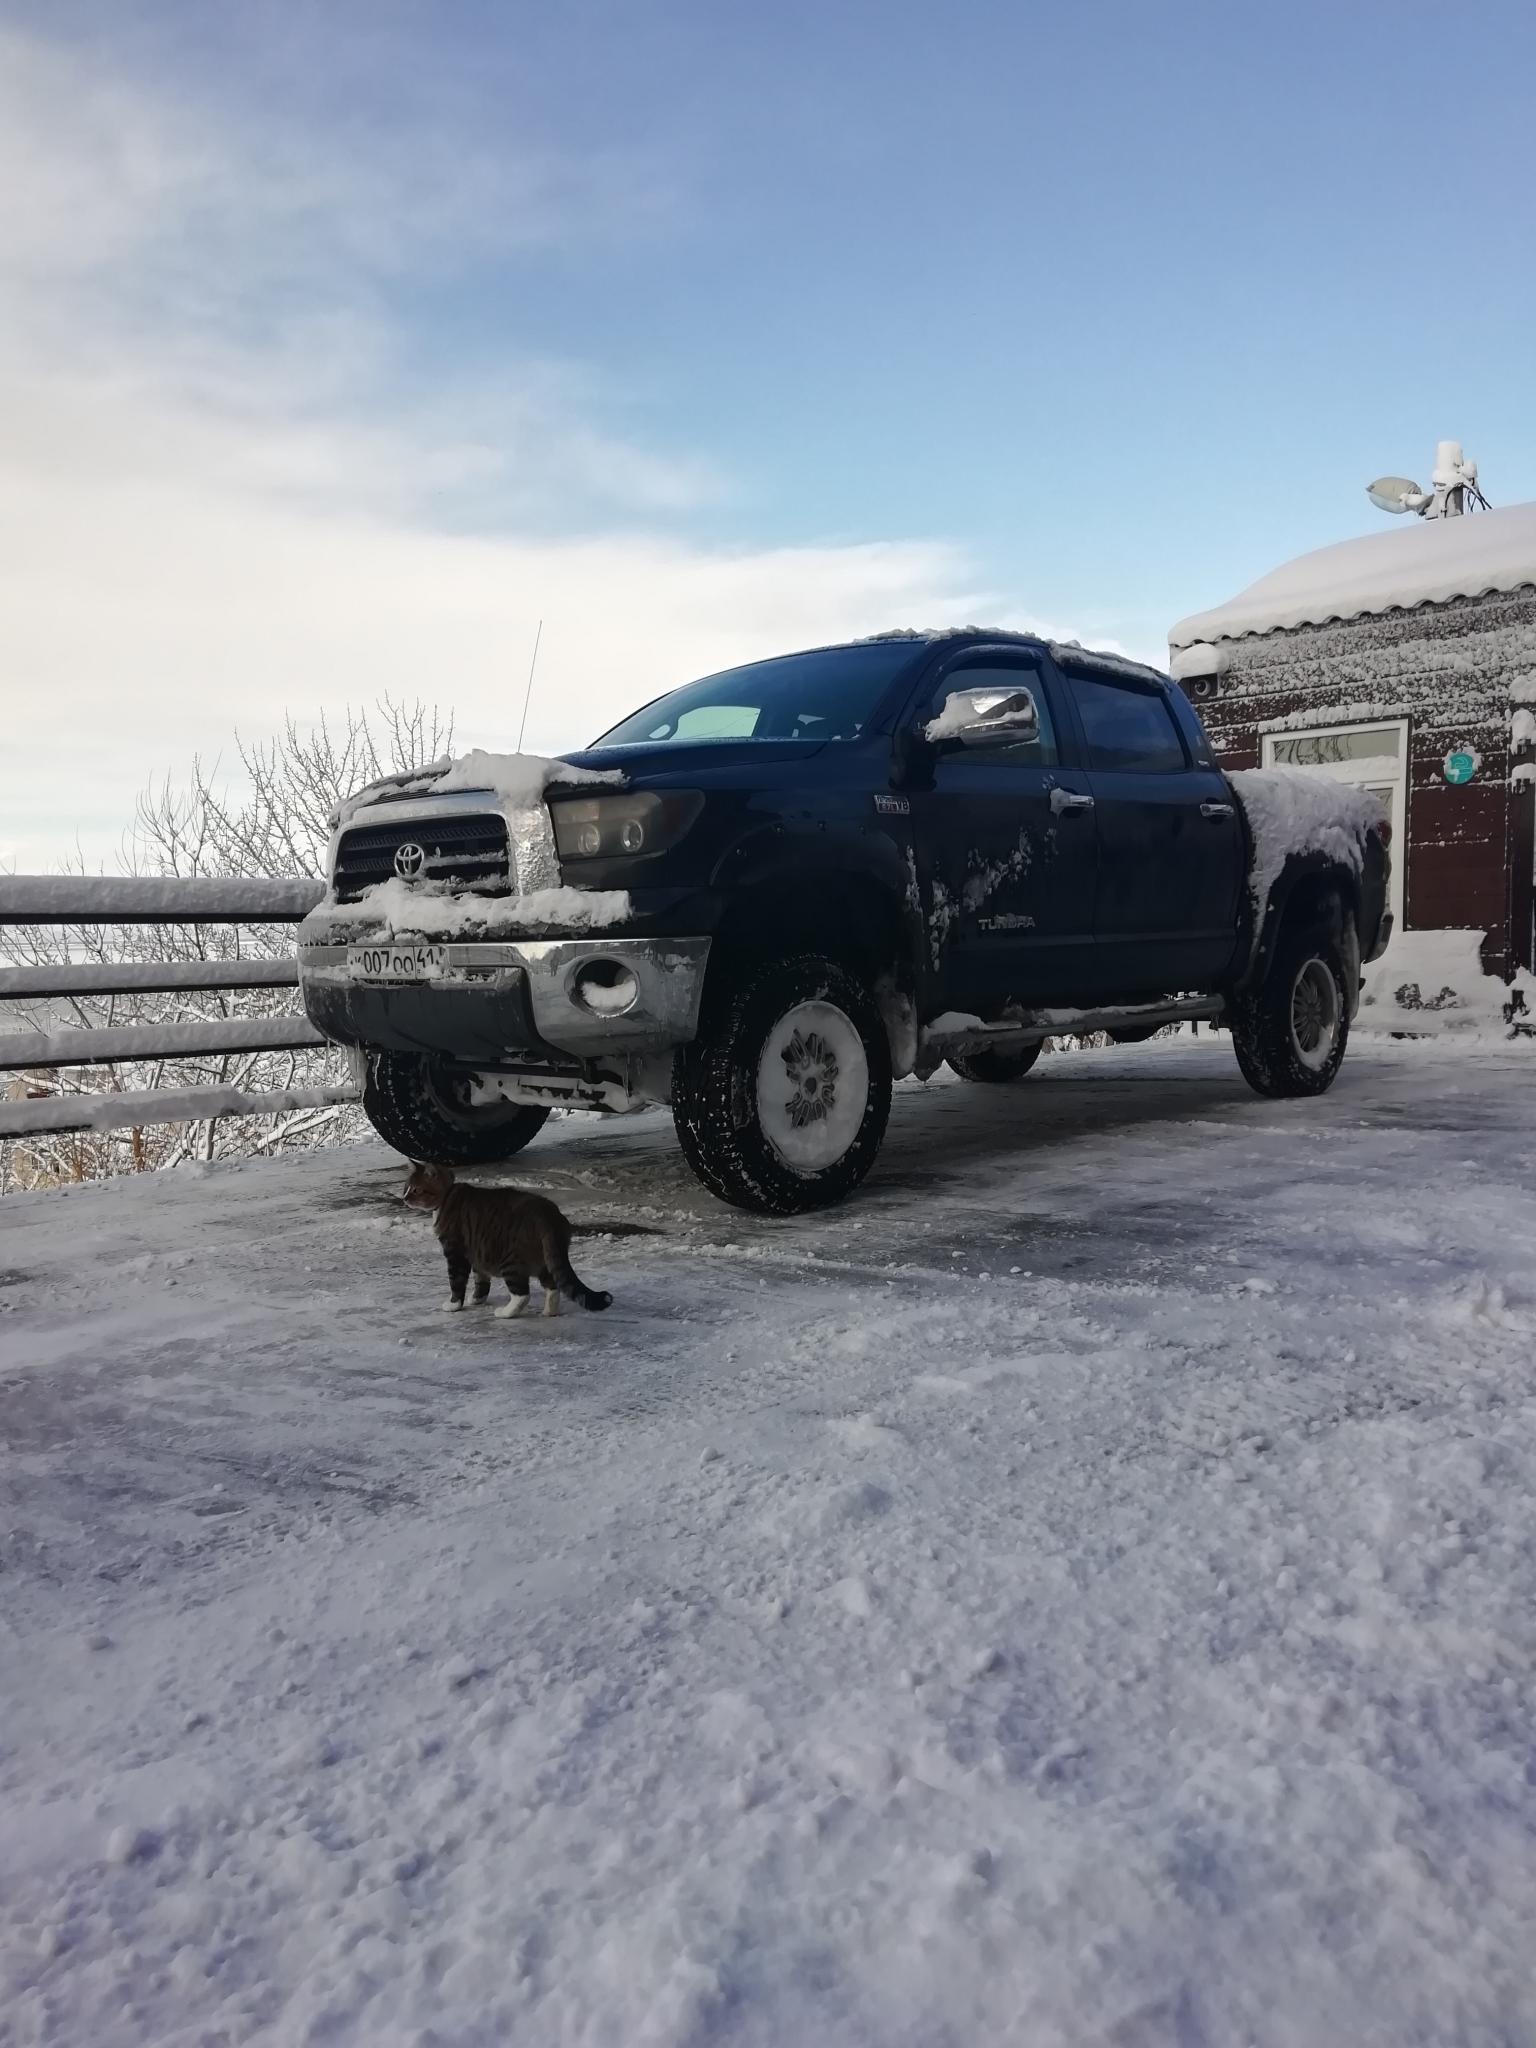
270	818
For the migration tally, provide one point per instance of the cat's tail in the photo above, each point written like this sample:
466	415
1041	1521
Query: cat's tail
574	1289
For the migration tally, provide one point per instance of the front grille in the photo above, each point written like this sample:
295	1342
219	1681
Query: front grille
466	853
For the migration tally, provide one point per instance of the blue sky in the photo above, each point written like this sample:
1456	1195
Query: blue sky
1087	315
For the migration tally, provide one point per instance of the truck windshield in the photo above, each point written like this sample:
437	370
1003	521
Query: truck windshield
830	694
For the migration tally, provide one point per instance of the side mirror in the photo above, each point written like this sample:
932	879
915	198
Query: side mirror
988	717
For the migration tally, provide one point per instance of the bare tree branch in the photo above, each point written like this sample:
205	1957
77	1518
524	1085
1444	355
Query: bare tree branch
270	817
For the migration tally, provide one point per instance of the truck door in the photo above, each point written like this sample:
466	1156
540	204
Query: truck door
1006	850
1171	859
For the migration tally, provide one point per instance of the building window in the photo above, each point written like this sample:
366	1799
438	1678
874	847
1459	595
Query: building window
1333	749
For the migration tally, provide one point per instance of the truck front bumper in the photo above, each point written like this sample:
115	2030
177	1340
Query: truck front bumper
581	999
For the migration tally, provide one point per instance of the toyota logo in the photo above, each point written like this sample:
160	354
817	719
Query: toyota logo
410	859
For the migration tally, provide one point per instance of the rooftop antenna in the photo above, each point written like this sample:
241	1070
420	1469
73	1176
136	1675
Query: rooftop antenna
528	693
1455	488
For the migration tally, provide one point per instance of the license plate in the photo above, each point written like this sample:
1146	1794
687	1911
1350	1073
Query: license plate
396	963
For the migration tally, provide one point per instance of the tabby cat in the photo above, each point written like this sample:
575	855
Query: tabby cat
500	1231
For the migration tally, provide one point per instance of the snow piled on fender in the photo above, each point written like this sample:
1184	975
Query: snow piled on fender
1290	812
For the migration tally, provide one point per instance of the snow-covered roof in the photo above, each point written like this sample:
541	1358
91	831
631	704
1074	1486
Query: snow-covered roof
1427	561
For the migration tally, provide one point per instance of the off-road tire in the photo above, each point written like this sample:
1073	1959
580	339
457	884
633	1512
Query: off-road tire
1273	1026
995	1063
410	1104
722	1079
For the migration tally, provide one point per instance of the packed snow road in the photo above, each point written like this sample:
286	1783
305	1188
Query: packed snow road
1082	1591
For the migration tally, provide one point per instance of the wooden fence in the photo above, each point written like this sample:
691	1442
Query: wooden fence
77	900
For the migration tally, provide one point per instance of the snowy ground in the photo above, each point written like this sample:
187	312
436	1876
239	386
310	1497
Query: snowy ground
1080	1592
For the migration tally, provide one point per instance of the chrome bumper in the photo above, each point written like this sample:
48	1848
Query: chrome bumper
506	992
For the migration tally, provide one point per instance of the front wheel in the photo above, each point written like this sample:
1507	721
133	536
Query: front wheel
1290	1033
419	1110
781	1102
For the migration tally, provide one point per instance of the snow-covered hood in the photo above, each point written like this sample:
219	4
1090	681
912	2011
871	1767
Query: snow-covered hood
703	761
518	780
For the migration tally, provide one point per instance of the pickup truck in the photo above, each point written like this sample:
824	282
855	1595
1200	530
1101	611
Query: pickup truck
766	895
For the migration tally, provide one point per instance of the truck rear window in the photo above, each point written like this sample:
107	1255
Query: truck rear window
830	694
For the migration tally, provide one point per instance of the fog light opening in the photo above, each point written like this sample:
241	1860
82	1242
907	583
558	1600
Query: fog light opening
605	987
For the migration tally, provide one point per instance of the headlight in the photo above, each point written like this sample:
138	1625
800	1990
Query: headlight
620	827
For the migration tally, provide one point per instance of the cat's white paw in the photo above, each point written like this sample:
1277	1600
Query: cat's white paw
452	1307
513	1308
551	1302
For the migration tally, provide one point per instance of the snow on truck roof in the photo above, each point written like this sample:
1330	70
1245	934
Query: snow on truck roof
1428	561
1063	652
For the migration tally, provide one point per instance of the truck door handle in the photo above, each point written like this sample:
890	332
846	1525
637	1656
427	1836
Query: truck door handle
1212	810
1069	800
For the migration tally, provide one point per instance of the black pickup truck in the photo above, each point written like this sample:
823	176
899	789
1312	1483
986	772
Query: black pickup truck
768	894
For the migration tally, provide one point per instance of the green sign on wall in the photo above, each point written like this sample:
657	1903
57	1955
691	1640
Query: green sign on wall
1460	766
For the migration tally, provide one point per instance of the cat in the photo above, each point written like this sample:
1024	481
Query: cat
491	1231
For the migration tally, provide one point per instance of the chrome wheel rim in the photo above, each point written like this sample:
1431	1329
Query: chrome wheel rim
812	1086
1315	1014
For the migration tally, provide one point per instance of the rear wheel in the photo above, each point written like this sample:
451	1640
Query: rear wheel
781	1101
424	1112
1290	1033
994	1063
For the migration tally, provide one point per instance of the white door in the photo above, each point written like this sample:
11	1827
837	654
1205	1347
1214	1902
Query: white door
1374	757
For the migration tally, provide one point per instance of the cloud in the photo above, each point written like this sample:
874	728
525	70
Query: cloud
223	499
221	271
146	621
172	576
100	171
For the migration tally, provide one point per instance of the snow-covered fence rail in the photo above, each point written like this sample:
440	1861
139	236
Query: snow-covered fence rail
59	1115
155	899
143	977
20	1051
185	904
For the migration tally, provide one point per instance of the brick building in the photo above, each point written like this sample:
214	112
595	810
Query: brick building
1404	661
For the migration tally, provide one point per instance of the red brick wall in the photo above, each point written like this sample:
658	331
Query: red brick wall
1448	669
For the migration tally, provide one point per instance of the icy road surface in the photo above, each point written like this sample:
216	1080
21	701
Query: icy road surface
1083	1591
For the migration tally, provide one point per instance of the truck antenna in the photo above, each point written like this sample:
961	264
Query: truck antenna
528	693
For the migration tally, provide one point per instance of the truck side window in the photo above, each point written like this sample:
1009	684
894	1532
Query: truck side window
1036	753
1127	729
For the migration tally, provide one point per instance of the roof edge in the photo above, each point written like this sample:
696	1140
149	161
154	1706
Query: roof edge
1197	628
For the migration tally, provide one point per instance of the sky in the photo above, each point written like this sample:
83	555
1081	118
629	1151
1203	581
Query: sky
341	345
